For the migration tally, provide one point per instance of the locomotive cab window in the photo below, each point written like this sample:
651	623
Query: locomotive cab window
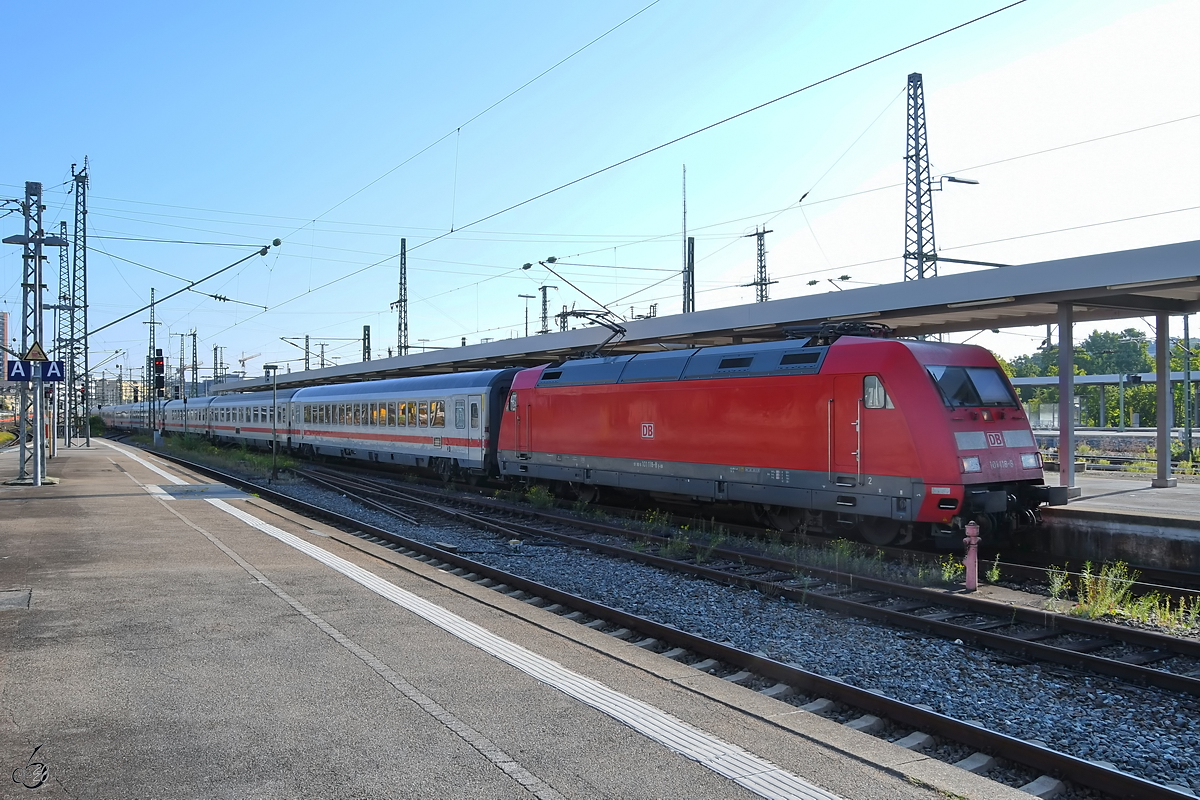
512	401
972	386
874	395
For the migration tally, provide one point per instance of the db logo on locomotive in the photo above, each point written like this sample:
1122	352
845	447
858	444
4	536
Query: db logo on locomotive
995	439
647	430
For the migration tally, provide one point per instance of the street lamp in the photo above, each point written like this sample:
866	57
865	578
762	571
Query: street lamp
527	297
274	370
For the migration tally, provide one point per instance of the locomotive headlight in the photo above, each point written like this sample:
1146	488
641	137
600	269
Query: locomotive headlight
971	464
1031	460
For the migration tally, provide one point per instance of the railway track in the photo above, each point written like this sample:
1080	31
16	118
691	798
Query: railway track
1022	568
1130	654
810	691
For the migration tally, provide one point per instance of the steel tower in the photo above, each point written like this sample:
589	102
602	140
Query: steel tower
920	252
761	282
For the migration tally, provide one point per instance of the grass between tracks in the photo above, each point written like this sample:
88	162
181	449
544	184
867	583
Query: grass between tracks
239	459
1107	593
1104	592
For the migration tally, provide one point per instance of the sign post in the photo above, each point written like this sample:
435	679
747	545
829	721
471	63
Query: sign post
37	357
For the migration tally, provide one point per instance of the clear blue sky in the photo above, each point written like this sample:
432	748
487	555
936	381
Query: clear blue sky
242	122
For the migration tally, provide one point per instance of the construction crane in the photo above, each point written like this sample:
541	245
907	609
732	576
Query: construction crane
246	358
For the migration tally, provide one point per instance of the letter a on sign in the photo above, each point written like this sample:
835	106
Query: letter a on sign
53	371
19	371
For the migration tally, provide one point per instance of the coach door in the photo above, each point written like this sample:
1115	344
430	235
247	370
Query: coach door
475	428
845	423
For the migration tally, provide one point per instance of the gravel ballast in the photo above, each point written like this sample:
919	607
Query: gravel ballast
1149	733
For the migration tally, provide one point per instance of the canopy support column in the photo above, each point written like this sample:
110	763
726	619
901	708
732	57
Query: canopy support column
1066	399
1163	408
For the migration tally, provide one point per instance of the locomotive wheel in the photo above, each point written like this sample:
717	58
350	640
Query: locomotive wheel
877	531
584	492
785	519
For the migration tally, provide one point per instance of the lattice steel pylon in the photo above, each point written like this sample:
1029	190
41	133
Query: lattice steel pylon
31	464
79	391
195	392
63	336
920	251
401	304
545	308
761	282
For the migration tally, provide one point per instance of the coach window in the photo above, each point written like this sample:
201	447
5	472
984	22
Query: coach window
372	415
874	395
391	415
412	413
474	414
437	410
460	414
423	414
308	414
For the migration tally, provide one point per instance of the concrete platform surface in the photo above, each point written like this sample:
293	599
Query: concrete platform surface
181	639
1132	495
1124	518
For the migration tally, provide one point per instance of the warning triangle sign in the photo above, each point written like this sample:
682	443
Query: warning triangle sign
36	353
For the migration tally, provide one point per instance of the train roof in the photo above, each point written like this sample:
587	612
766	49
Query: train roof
789	357
457	381
254	398
803	356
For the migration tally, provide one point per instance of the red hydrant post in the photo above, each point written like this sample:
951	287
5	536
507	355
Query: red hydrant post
971	562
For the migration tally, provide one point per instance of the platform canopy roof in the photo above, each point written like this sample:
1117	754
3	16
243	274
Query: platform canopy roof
1128	283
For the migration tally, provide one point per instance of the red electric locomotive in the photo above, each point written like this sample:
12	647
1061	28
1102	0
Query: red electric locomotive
893	438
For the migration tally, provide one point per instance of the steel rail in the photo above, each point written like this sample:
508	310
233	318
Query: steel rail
943	627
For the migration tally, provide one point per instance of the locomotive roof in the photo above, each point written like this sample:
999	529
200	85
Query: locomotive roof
790	357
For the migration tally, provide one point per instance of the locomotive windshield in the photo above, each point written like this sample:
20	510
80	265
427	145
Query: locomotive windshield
972	386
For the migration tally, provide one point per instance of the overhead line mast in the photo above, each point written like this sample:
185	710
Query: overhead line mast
401	305
761	281
920	251
64	333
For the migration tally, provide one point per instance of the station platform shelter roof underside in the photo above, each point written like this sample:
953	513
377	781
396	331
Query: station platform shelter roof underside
1160	281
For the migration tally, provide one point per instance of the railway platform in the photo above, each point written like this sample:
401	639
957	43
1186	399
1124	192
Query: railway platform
1124	518
165	636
